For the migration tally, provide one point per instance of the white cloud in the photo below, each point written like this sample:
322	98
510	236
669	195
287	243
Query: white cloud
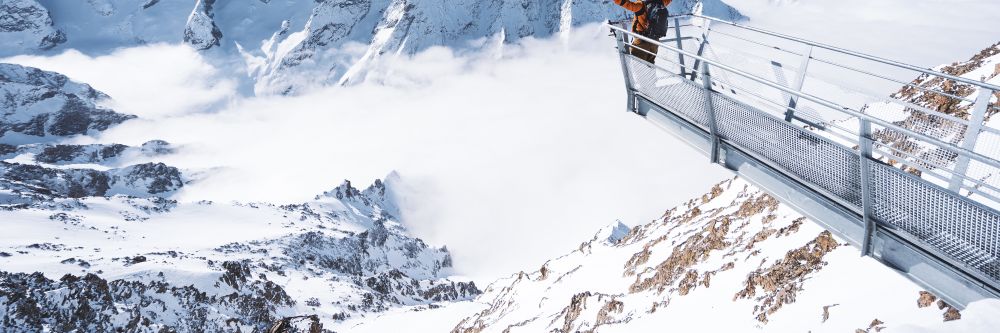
154	81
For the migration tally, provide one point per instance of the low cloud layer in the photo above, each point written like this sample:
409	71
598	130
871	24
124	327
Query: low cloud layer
151	82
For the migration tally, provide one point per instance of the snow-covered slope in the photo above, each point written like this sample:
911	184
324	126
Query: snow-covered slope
732	260
289	44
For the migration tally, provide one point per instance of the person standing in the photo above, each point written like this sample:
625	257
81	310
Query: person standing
651	19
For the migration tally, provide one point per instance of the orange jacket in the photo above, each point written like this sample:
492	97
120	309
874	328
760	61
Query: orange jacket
639	23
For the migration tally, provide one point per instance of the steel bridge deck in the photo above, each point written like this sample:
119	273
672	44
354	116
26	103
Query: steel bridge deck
936	236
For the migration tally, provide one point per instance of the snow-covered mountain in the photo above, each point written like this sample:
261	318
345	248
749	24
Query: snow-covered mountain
288	44
93	243
101	264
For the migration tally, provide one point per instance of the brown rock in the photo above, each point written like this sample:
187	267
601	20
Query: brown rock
604	315
925	299
688	283
826	311
781	282
952	314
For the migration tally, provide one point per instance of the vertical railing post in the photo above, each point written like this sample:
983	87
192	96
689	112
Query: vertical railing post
971	136
864	161
680	45
793	101
622	39
706	79
705	29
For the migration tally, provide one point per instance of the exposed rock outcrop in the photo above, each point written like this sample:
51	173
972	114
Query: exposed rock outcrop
37	106
201	30
25	25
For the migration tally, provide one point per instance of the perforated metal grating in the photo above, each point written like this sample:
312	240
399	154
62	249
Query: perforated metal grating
952	225
964	230
671	90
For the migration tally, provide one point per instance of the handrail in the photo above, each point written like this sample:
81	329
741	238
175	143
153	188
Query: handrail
832	63
857	54
821	101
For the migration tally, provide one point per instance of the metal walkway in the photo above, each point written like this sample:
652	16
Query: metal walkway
912	179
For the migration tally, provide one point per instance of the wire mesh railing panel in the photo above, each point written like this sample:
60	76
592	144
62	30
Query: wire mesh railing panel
810	158
957	227
669	89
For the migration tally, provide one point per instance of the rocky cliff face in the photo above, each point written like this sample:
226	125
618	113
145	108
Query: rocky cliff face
291	44
41	106
409	26
27	26
201	31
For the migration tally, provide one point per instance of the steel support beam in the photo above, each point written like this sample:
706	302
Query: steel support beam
864	167
705	29
971	136
713	129
621	40
793	101
680	45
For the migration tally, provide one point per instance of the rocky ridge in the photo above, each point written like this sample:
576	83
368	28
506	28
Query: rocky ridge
40	108
734	250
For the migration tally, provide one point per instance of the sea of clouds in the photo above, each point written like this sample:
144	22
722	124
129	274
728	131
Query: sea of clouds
507	158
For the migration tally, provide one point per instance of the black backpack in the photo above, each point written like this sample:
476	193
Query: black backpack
657	17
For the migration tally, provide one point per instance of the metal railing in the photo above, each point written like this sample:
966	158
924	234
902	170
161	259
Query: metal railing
921	165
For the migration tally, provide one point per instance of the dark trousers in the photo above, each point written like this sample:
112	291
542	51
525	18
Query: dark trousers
644	50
